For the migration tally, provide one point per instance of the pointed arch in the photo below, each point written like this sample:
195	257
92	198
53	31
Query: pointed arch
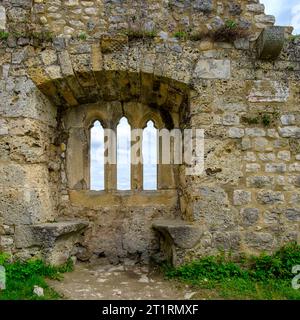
150	156
97	157
124	155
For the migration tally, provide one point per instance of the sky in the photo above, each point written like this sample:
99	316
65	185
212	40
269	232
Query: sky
286	12
149	148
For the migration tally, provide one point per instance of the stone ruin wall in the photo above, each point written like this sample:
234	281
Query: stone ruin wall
60	55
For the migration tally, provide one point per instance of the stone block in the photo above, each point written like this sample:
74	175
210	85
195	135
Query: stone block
271	41
2	18
260	182
259	241
241	197
290	132
249	216
58	239
213	69
293	214
270	197
268	91
236	133
183	234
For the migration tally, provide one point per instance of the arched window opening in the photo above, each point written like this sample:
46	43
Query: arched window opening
123	155
97	157
150	151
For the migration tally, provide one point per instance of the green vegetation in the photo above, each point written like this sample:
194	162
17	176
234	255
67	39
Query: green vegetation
250	120
21	277
265	119
4	35
140	34
294	37
231	24
82	36
181	35
230	32
263	277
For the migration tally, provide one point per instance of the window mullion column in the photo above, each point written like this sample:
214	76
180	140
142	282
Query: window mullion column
136	159
111	159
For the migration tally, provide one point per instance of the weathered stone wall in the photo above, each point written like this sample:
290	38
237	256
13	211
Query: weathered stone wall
60	55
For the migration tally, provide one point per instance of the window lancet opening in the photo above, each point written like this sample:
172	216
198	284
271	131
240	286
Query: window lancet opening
123	155
150	156
97	157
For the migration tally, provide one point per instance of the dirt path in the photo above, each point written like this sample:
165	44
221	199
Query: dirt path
118	283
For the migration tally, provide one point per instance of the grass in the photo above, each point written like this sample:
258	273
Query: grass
4	35
266	277
21	277
229	32
140	34
294	37
82	36
266	119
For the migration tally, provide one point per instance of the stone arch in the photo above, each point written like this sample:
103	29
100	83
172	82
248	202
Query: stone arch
139	97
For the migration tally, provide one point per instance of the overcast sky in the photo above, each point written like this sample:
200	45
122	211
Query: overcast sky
123	156
286	12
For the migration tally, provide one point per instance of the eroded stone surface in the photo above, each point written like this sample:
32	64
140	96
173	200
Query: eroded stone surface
271	40
183	235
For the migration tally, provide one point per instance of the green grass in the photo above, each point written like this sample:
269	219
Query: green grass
140	34
82	36
181	35
266	277
21	277
294	37
4	35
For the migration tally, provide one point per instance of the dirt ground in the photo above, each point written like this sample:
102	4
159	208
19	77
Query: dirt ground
109	282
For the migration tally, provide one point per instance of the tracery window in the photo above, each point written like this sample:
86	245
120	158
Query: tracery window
123	156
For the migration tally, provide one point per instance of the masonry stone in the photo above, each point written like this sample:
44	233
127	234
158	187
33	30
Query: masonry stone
2	18
270	197
249	216
212	69
66	64
241	197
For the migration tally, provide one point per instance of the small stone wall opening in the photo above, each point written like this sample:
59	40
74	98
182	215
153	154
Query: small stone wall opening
123	155
150	156
97	157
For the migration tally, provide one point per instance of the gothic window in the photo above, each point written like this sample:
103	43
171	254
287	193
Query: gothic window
150	151
123	155
97	157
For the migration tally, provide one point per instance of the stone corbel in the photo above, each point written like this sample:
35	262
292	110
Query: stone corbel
270	43
176	237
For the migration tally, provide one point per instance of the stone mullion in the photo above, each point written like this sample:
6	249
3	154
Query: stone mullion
110	168
136	162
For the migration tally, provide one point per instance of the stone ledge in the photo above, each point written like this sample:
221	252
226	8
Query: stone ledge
270	43
175	238
184	235
54	230
58	239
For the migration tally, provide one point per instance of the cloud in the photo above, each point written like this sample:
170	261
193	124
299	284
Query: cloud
274	7
296	18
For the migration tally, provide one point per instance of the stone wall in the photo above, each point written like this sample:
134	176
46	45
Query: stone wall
57	56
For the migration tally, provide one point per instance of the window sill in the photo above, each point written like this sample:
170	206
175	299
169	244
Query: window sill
130	198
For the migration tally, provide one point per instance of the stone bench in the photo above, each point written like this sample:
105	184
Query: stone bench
55	239
175	237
